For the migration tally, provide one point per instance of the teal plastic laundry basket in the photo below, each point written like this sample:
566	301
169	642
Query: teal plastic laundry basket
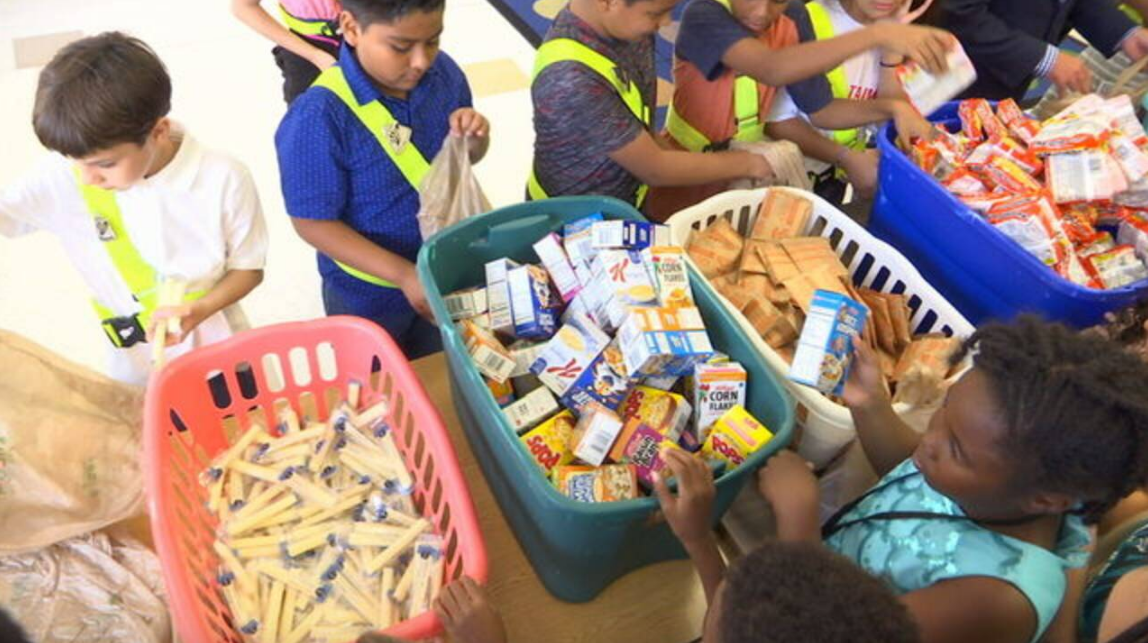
577	549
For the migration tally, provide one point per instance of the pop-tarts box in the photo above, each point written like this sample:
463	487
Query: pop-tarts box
569	353
604	381
533	305
621	281
666	352
825	347
631	235
577	242
498	295
557	263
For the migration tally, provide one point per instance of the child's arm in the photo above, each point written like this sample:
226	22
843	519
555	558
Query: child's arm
788	484
234	285
689	514
886	439
340	242
860	166
756	59
974	608
253	15
890	85
846	114
656	166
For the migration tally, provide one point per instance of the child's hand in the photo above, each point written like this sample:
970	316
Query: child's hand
861	167
190	316
911	125
466	614
757	167
467	122
927	46
689	512
788	484
413	290
866	384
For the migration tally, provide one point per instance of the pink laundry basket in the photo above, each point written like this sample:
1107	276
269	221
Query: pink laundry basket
201	402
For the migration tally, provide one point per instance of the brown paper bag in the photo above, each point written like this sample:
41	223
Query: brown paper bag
923	369
450	191
69	448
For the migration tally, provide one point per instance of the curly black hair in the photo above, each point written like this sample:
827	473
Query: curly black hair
10	630
1076	408
1126	326
784	592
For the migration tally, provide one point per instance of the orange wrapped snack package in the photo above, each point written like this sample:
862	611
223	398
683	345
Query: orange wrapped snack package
1020	126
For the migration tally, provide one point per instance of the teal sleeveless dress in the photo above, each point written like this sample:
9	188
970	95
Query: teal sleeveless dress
912	553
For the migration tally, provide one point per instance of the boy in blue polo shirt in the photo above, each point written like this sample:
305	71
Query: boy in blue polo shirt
353	149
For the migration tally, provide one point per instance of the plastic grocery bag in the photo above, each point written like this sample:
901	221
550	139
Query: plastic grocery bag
69	448
101	586
450	192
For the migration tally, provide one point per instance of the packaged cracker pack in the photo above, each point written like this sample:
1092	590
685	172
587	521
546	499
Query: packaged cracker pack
609	483
825	347
1117	267
549	442
928	92
735	436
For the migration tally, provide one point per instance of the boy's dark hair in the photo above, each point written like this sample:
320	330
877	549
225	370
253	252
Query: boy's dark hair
369	12
1076	408
10	630
100	92
785	592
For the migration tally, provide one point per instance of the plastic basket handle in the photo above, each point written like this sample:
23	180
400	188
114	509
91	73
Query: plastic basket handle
1126	76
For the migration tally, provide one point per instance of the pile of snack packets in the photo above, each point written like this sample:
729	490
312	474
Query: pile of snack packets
318	537
1059	188
798	296
600	359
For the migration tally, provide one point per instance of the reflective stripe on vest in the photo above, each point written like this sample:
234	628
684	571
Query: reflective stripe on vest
838	83
567	50
140	278
746	114
379	121
308	26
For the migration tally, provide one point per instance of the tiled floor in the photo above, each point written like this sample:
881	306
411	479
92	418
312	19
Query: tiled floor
227	93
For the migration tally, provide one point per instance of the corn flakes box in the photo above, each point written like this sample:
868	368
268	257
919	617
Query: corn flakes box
735	436
671	277
609	483
549	442
715	389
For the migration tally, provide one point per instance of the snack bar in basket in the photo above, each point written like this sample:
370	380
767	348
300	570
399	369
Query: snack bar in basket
596	396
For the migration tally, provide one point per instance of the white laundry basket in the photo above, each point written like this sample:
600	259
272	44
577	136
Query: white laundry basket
827	426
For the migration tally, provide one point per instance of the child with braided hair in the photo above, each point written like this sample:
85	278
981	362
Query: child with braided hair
977	520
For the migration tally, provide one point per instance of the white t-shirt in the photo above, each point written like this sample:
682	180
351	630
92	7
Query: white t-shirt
863	72
195	219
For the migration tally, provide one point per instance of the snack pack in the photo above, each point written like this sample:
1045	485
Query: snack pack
782	215
716	249
609	483
825	347
1089	175
735	436
1117	268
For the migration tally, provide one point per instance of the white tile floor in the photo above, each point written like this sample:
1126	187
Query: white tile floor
227	91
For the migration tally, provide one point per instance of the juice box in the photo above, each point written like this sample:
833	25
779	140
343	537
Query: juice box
489	355
620	282
569	353
643	449
735	436
549	442
715	389
532	409
557	263
604	381
631	235
825	347
498	295
577	240
595	434
534	308
610	483
665	412
671	276
466	304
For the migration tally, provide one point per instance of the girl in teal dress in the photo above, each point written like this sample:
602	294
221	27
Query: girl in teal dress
976	521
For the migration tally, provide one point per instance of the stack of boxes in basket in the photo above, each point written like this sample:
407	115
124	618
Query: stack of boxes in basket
606	361
1058	188
778	278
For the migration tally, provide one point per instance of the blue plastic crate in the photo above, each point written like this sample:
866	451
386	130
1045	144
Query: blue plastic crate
982	272
577	549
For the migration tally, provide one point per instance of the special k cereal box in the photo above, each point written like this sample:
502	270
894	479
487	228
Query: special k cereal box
623	282
609	483
735	436
665	412
671	277
549	442
716	388
569	353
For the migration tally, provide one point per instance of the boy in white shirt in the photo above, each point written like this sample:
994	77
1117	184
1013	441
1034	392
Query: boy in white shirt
135	200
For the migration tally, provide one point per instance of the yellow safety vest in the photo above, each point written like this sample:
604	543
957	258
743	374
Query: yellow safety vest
141	279
308	26
565	49
379	121
746	108
838	83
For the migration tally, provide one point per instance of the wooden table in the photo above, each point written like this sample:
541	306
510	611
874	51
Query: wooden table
663	603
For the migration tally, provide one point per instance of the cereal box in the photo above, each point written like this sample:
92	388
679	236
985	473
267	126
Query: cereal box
533	305
498	295
825	348
665	412
557	263
531	409
604	381
577	240
490	357
466	304
661	382
643	449
621	281
671	277
595	433
672	352
569	353
735	436
524	353
503	392
610	483
631	235
716	388
549	442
